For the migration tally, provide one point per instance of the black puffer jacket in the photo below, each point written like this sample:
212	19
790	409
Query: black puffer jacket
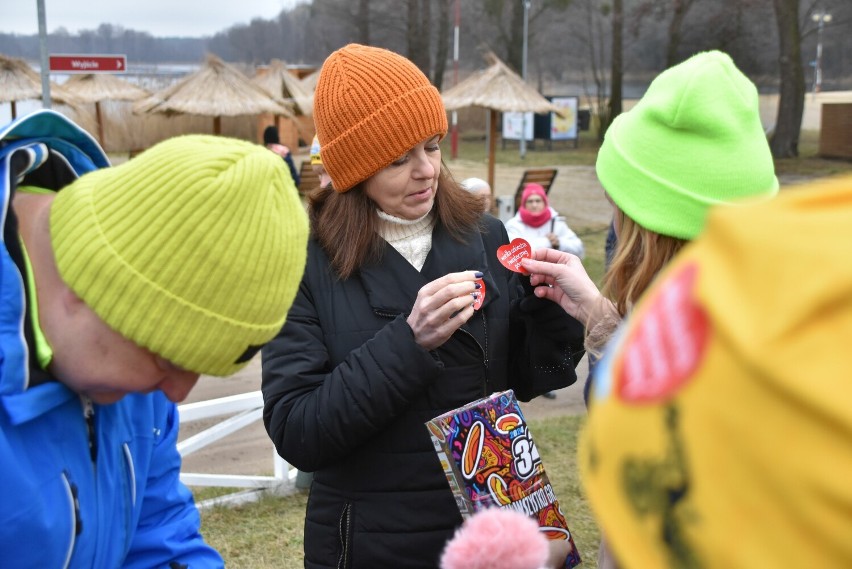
347	392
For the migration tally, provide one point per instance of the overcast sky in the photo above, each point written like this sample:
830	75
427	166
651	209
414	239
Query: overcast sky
191	18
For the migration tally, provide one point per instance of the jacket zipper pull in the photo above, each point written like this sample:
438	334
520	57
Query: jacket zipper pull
75	498
89	415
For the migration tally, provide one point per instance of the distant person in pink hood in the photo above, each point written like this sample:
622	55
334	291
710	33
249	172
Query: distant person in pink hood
541	225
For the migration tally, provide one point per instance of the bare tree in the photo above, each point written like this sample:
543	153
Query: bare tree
506	25
514	49
617	73
566	47
363	22
592	34
418	34
660	10
442	45
791	100
679	10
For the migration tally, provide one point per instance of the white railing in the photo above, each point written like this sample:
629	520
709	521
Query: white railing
244	409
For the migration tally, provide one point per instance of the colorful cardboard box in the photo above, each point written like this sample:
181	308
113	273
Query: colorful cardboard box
490	460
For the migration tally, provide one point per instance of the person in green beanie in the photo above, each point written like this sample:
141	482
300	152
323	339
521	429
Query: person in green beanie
694	141
119	286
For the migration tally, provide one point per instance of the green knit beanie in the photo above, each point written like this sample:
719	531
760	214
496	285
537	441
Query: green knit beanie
193	250
694	140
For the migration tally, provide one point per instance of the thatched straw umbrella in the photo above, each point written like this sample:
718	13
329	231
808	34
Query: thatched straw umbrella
97	87
496	88
310	81
19	82
216	90
280	82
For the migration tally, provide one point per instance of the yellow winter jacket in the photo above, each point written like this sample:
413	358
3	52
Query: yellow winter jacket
720	428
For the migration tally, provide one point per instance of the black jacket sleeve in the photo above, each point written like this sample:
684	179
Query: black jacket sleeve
552	344
546	344
316	413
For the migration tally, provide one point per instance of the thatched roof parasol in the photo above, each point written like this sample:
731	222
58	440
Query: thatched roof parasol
281	83
309	82
20	82
216	90
97	87
496	88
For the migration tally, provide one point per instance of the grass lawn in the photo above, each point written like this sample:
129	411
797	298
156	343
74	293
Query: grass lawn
268	534
808	163
563	153
594	240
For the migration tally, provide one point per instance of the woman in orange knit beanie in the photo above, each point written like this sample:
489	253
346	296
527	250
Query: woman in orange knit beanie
404	313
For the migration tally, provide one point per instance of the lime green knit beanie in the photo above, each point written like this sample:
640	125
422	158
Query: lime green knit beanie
193	250
694	140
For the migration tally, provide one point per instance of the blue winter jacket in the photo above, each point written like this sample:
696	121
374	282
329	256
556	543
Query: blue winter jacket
102	493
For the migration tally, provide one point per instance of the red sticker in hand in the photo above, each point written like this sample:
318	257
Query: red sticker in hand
477	302
510	255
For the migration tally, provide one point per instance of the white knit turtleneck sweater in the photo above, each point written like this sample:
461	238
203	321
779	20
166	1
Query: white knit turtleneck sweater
412	239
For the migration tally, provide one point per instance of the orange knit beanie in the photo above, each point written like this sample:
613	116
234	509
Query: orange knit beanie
371	106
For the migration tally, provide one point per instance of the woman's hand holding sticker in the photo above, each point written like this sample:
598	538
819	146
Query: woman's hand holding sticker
566	281
443	305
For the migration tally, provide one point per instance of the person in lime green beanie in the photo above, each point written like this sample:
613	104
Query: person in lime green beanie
119	286
694	141
720	432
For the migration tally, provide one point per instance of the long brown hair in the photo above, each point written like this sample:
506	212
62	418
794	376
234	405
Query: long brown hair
345	224
639	255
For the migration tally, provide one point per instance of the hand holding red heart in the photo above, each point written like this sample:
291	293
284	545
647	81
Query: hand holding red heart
570	285
442	306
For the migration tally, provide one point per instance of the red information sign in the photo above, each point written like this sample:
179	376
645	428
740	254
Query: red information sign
88	63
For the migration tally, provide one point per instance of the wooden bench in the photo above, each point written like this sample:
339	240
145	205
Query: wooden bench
308	179
541	176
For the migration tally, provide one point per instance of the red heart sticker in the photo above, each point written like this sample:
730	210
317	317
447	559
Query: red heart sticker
510	255
477	302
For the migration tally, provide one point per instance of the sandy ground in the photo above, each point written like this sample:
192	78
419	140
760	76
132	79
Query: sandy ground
576	192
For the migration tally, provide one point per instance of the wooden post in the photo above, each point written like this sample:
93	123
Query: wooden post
100	120
217	125
278	120
263	120
288	132
492	142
